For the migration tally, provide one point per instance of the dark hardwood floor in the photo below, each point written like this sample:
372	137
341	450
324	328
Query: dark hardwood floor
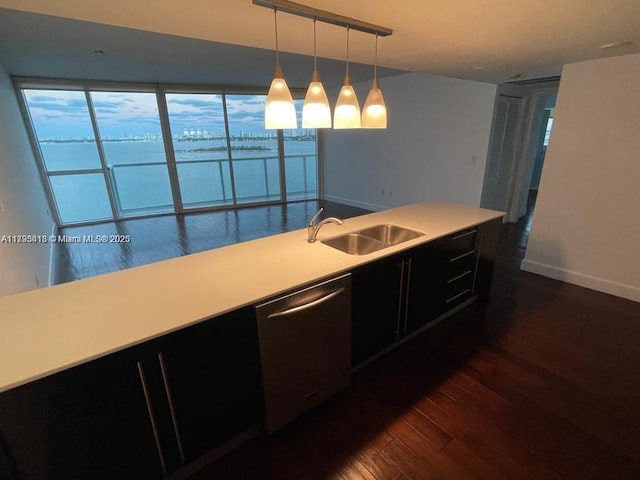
541	382
160	238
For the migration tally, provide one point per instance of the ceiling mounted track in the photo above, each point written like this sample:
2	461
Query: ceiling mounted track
324	16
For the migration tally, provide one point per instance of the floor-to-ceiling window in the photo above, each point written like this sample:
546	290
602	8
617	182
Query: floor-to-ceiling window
300	160
122	151
69	154
199	138
133	150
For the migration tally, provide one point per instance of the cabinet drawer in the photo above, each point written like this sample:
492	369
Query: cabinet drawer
458	289
460	266
461	244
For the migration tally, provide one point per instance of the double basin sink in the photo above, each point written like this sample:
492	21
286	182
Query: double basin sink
371	239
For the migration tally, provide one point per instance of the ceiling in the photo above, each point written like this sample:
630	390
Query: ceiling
487	40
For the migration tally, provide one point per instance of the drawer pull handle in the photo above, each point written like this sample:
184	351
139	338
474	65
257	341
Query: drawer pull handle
461	256
464	234
312	394
172	409
306	306
152	417
458	295
406	298
451	280
397	330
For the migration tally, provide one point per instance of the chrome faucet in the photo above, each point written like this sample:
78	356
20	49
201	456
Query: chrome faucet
312	229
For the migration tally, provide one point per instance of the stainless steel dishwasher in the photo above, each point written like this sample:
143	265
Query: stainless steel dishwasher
305	348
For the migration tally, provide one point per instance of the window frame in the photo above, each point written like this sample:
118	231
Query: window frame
160	89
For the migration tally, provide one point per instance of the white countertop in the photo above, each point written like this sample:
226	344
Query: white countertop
48	330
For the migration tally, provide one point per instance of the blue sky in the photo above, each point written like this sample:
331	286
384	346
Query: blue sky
64	114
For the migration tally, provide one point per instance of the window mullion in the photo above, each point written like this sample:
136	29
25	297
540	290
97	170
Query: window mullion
115	207
226	128
283	176
170	156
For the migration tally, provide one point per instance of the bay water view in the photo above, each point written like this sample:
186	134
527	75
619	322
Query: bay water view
139	175
137	178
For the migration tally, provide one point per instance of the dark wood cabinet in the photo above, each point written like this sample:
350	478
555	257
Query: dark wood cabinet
398	296
211	374
376	313
91	421
488	235
140	413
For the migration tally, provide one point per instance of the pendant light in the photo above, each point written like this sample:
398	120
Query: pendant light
374	112
279	111
315	111
347	111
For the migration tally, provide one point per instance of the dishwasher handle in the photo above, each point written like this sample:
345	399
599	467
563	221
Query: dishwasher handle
306	306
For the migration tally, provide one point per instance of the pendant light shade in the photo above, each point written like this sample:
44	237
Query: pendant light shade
315	111
347	111
374	112
279	111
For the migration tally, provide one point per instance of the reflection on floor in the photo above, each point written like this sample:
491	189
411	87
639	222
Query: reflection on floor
161	238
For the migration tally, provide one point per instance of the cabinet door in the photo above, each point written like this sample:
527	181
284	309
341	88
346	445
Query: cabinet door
376	313
211	373
487	245
90	421
425	285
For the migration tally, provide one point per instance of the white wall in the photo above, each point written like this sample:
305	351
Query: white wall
434	149
23	201
586	225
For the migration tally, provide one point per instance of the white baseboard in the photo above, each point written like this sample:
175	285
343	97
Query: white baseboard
354	203
595	283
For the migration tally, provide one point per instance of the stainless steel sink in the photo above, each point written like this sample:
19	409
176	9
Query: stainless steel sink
371	239
355	244
390	234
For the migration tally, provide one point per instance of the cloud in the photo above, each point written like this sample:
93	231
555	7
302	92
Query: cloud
209	102
42	98
99	104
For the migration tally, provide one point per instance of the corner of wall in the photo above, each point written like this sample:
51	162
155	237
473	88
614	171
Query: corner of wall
25	266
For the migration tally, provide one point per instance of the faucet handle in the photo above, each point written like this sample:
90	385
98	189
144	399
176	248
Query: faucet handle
312	222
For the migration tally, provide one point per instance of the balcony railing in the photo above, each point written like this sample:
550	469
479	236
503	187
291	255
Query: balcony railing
150	192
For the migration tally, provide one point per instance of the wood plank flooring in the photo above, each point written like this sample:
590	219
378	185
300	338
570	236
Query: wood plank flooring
160	238
541	382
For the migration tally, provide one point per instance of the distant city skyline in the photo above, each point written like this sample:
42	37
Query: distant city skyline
64	114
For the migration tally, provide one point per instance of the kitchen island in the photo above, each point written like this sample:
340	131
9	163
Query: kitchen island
78	324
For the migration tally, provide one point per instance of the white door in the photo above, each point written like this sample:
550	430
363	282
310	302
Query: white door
503	154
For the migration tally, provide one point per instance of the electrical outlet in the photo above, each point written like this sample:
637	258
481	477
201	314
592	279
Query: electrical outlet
390	194
37	281
383	192
474	159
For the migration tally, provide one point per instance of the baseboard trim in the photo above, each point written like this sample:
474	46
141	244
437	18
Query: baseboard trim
594	283
354	203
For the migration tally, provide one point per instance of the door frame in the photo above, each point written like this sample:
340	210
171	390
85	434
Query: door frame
524	164
523	101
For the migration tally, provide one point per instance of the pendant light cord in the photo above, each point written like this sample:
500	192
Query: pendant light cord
375	60
275	22
315	54
347	49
